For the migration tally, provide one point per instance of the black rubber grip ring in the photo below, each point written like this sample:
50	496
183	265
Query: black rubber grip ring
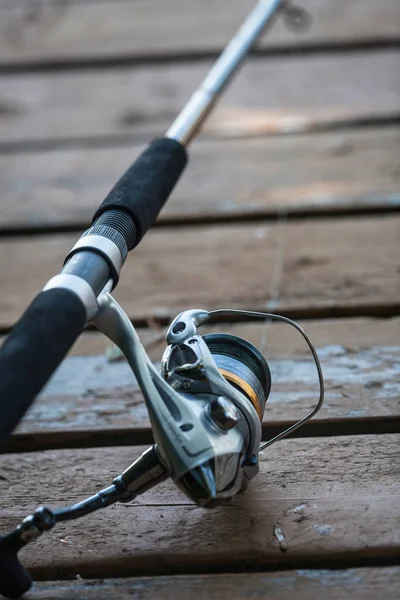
147	184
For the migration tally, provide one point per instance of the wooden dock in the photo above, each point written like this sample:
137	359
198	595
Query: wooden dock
290	203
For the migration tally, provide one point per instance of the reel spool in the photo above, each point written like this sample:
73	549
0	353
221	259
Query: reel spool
243	366
238	361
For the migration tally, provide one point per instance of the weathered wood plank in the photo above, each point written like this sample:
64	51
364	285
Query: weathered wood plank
330	267
100	404
323	173
269	96
359	584
334	499
79	31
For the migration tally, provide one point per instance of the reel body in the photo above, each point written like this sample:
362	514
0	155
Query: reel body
232	420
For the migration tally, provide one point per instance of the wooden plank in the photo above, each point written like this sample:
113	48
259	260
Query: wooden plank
335	501
282	342
330	268
305	584
79	31
227	179
100	404
269	96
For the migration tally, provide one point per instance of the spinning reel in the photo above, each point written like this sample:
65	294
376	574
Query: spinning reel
205	406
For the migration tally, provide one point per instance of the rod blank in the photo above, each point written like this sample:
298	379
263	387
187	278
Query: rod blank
188	122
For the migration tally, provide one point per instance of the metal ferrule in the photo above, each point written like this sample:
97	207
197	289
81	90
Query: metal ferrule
142	475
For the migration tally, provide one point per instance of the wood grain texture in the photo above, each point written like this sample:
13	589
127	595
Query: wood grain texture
226	179
305	584
334	499
93	401
297	94
79	31
330	267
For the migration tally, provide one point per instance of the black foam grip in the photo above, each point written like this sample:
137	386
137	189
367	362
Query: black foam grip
146	185
14	578
33	351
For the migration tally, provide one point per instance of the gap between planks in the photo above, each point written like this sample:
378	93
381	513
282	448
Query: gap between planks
376	206
127	61
65	110
334	173
325	126
358	584
75	34
331	267
75	439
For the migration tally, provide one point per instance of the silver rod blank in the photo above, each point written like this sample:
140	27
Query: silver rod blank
188	122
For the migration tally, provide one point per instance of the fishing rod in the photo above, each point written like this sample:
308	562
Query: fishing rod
207	403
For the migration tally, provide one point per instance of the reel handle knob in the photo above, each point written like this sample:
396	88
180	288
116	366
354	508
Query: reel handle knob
14	578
